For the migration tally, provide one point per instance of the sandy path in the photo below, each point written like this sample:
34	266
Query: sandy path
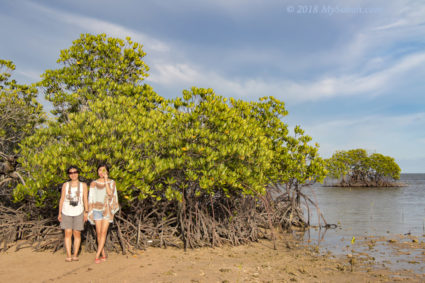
257	262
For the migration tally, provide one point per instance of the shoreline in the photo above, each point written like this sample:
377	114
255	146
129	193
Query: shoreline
362	185
292	261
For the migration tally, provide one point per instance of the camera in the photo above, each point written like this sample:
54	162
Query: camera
73	202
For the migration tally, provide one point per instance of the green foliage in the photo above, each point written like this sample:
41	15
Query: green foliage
304	164
357	167
118	130
218	150
384	166
20	112
190	146
93	67
295	161
196	145
157	153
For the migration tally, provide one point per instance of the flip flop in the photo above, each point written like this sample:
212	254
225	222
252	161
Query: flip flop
68	259
97	261
103	258
74	258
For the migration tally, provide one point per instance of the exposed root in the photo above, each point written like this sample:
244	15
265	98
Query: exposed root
194	222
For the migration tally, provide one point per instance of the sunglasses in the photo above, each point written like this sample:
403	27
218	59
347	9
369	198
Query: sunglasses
72	173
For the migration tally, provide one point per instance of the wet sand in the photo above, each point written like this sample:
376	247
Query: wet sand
256	262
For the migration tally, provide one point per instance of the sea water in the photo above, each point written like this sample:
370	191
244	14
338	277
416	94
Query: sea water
365	212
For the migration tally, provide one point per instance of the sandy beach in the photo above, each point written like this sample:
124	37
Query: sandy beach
256	262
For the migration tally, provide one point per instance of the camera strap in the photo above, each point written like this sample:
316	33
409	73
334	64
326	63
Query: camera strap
78	190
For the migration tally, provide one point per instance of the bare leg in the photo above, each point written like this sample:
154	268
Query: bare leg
68	235
77	242
101	238
99	233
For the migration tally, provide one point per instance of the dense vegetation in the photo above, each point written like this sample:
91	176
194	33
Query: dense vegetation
356	168
20	114
196	170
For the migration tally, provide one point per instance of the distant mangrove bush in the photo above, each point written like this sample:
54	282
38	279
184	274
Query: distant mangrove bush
357	168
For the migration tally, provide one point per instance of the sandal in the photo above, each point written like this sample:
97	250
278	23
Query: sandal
103	258
97	261
74	258
68	259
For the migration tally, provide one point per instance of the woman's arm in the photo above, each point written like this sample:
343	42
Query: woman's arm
90	202
63	192
109	190
114	200
85	201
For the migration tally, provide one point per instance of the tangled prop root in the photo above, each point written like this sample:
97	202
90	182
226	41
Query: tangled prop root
192	223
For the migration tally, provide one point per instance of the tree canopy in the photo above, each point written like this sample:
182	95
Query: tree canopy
20	114
93	67
200	142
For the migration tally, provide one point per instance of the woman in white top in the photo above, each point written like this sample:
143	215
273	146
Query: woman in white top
73	209
103	204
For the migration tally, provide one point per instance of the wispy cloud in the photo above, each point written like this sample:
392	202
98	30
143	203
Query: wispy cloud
407	15
374	122
372	77
323	88
379	133
94	25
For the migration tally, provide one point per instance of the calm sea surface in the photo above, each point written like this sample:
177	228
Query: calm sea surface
368	212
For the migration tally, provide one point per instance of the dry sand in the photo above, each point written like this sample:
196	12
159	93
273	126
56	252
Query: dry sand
257	262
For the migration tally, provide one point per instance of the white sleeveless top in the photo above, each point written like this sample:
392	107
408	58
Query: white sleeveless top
68	209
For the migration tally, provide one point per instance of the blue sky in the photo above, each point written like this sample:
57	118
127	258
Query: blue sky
350	72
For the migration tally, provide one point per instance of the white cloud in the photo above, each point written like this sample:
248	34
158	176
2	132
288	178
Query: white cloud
371	77
100	26
387	32
184	75
406	15
172	74
374	122
398	136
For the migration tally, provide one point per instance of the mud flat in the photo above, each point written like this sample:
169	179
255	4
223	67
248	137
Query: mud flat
257	262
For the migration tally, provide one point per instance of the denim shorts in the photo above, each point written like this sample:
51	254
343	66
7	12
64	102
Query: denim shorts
98	215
